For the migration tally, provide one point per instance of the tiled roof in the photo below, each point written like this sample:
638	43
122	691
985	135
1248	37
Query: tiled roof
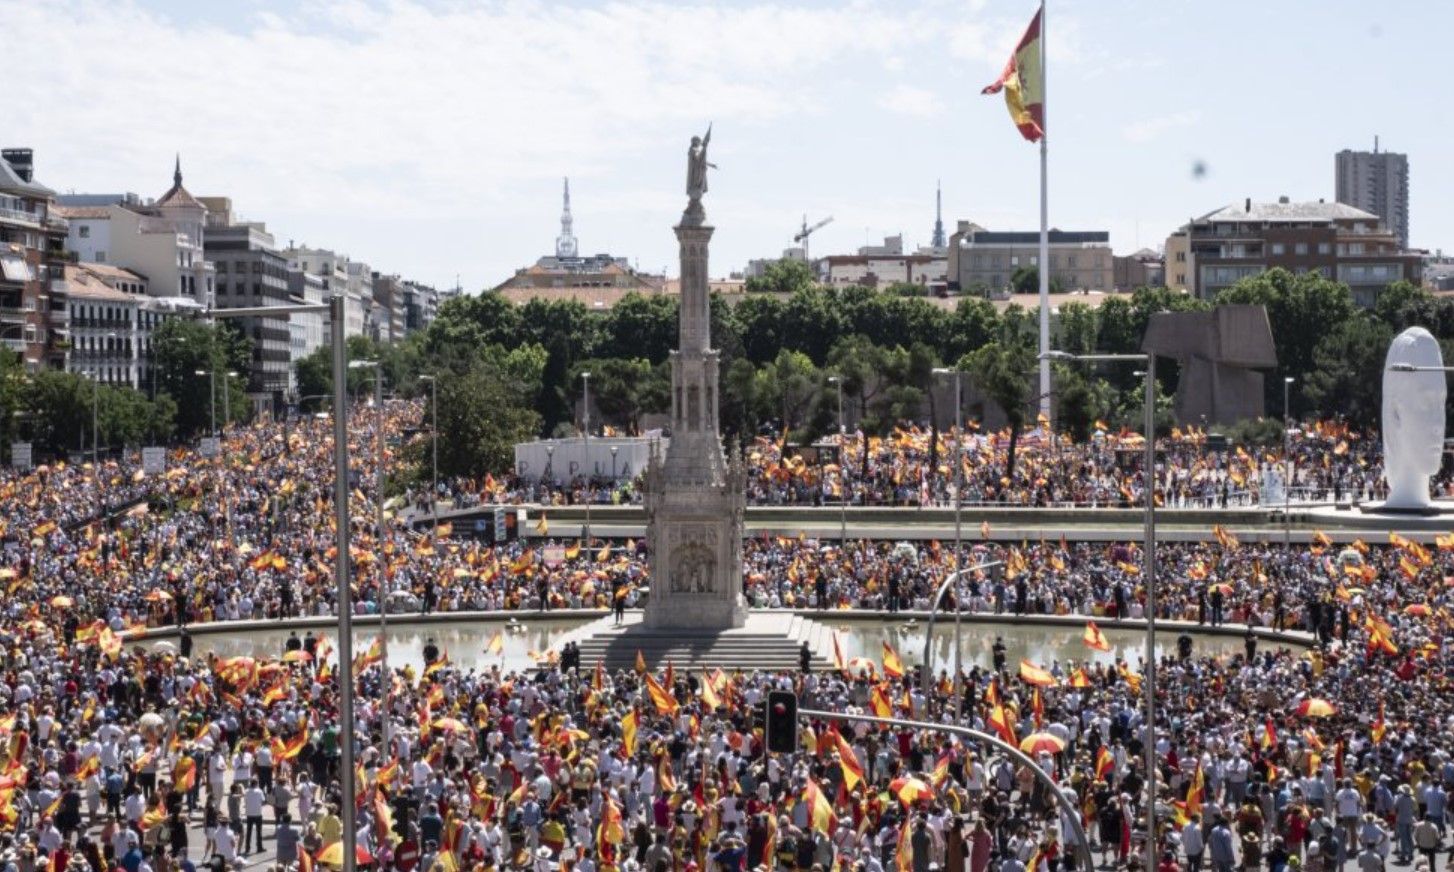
82	211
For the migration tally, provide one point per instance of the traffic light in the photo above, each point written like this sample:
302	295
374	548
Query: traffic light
782	722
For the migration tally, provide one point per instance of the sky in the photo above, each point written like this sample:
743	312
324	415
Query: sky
429	137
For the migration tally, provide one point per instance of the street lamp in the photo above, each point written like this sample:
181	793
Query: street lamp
434	437
379	534
336	313
958	502
1287	466
227	401
614	449
837	381
212	394
1150	572
586	445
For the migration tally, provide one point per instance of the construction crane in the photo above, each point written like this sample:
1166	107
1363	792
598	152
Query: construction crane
802	235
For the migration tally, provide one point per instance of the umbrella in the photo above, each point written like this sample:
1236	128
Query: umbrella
910	790
165	647
150	720
1042	743
1226	589
61	601
1312	707
1419	609
332	855
157	596
450	725
298	656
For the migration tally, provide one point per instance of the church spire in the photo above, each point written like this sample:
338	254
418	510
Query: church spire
565	243
938	239
177	173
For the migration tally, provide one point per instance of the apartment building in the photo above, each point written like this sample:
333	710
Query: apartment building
332	269
1243	239
34	321
1377	182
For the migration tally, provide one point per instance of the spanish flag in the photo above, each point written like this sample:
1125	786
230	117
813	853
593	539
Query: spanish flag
1094	638
893	666
1023	82
820	810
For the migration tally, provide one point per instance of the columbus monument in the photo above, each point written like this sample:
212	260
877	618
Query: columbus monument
695	495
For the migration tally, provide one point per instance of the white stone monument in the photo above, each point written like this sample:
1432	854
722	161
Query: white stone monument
694	496
1413	420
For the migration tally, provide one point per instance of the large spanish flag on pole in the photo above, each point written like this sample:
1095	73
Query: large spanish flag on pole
1023	82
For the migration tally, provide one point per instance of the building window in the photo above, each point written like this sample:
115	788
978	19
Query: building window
1279	248
100	257
85	231
1014	260
1300	248
1325	248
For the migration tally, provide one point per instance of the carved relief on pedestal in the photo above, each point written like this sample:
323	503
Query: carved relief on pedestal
693	561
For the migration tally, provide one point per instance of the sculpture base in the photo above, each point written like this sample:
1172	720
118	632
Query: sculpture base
768	640
1407	511
684	613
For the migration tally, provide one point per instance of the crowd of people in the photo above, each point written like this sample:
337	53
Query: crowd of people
914	466
115	755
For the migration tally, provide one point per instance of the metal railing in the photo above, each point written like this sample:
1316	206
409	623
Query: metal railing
19	215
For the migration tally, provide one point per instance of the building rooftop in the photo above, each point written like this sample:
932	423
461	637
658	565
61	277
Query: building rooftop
177	195
1286	211
82	283
12	183
83	211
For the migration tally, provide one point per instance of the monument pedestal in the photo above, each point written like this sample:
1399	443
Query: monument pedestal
695	498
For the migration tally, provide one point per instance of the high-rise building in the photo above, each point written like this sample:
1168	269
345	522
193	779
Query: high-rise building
334	271
1378	182
34	321
250	272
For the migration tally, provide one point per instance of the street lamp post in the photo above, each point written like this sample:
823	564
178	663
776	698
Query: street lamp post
1287	467
379	535
335	310
614	449
958	502
837	381
1149	556
211	396
586	446
434	448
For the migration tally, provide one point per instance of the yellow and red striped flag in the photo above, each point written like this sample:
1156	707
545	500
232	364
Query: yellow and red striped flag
1023	82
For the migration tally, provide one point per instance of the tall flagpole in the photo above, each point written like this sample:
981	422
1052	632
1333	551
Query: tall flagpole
1044	269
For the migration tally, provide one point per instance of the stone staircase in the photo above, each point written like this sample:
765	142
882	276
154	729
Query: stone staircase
769	641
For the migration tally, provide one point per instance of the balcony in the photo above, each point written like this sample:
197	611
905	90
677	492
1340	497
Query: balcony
19	216
15	345
56	222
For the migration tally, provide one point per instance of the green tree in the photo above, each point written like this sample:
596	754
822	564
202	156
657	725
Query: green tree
1026	280
1076	329
641	327
481	416
760	320
741	405
790	386
1347	372
1003	371
621	389
1301	309
181	348
785	276
973	323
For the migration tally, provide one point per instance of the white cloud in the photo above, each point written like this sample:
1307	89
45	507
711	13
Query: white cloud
908	100
421	126
1151	128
